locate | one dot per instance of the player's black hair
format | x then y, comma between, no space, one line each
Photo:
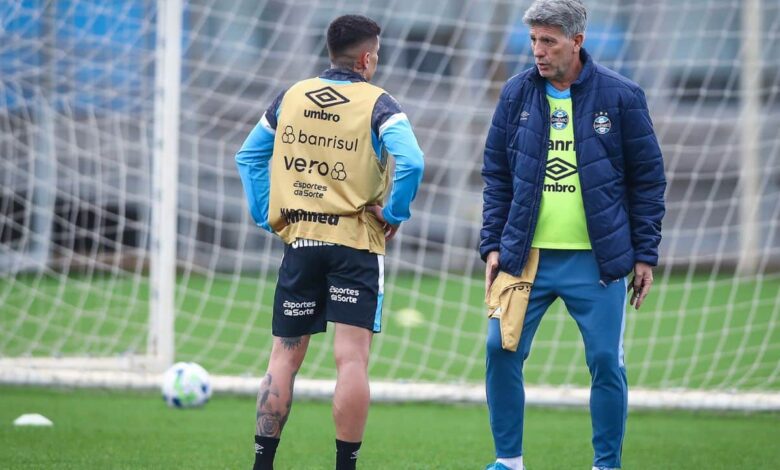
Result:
348,31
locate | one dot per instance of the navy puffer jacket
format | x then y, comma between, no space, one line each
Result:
619,164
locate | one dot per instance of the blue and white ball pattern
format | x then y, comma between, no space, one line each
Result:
186,385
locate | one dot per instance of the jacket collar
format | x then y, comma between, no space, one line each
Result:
588,68
342,75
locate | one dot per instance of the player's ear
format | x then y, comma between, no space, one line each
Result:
361,64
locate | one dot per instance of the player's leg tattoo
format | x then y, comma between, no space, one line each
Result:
291,343
267,420
274,399
271,421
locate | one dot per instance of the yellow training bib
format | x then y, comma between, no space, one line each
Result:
324,169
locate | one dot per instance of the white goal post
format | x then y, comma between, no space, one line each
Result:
129,373
126,243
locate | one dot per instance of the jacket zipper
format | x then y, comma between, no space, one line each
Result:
537,192
582,193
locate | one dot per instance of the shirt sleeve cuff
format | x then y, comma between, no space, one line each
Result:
389,218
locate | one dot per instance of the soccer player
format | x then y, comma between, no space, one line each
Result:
327,140
573,173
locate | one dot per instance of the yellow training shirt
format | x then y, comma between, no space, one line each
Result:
561,224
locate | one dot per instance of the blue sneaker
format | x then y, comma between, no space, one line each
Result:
496,466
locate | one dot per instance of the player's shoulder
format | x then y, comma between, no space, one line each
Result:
388,103
387,112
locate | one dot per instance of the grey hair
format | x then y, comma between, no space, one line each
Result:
570,15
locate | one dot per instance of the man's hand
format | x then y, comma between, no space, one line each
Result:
389,229
491,270
643,280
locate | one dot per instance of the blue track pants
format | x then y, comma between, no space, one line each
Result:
599,312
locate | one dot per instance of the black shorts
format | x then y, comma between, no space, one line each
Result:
319,283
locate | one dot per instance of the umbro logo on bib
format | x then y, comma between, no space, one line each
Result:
326,97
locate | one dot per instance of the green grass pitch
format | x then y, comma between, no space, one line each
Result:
710,332
126,430
694,332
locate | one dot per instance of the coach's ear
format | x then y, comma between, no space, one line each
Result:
578,38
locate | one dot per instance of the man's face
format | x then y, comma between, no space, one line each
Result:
373,60
554,53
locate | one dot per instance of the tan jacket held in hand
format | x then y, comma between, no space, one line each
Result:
508,301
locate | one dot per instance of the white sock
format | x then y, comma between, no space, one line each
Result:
515,463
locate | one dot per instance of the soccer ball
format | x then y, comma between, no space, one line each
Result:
186,385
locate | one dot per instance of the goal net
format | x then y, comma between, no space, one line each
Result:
126,242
